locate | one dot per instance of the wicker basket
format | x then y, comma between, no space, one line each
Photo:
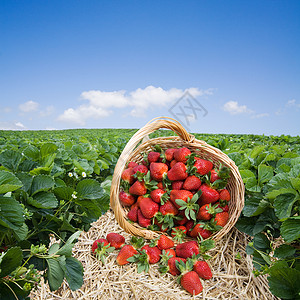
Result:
132,152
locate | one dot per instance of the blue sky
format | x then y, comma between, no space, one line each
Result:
118,64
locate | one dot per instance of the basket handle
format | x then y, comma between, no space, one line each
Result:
153,125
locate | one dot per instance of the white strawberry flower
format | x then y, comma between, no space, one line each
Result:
83,174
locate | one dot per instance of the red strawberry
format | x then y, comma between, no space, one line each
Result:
115,239
126,199
143,222
222,218
168,208
140,168
172,163
179,233
187,249
214,176
225,195
209,195
203,166
170,252
153,156
126,252
160,225
148,208
182,154
192,183
190,281
205,212
183,219
169,154
180,194
200,231
156,195
189,226
172,265
127,175
138,188
178,172
177,185
160,185
157,170
164,242
222,206
203,270
132,164
99,241
153,253
132,214
101,248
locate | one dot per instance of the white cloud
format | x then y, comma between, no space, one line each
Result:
290,104
28,106
258,116
140,100
11,126
234,108
47,112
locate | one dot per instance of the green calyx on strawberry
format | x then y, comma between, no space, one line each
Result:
179,233
136,242
218,179
190,207
101,248
163,266
166,221
201,267
207,211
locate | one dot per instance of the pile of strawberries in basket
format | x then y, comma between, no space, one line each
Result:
177,192
186,260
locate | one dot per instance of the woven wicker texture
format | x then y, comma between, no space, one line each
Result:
134,150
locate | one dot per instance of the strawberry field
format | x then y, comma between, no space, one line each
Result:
56,183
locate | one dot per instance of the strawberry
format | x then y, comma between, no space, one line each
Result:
190,281
133,213
203,166
203,270
141,169
170,252
157,194
172,265
206,212
160,185
192,183
187,249
224,195
189,226
153,253
132,164
182,154
198,230
164,242
177,185
221,219
101,248
115,239
209,195
180,194
143,222
182,218
127,175
214,176
126,252
153,156
138,188
169,154
126,199
222,206
157,170
178,172
172,163
148,208
179,233
168,208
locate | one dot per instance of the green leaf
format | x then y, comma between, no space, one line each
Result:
262,243
89,189
296,183
32,152
44,200
10,159
53,248
41,183
274,193
265,173
47,149
74,273
283,205
8,182
284,251
21,232
66,249
284,282
63,193
246,225
10,261
11,213
255,205
290,229
55,272
26,180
